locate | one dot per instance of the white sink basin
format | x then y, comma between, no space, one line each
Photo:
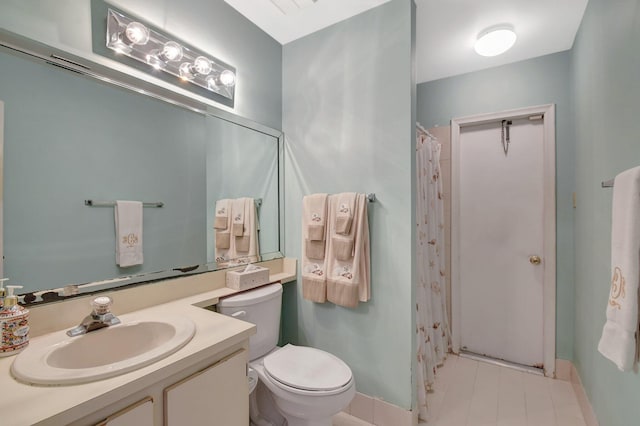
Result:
57,359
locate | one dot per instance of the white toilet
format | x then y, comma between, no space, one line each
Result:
308,385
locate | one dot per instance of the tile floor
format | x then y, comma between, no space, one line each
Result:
473,393
344,419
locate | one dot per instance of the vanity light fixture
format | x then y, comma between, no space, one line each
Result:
495,40
132,38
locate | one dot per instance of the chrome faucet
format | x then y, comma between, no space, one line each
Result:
100,317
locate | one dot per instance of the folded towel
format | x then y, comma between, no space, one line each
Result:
247,245
348,256
239,244
344,214
315,249
314,285
221,220
317,211
237,213
618,342
128,225
223,240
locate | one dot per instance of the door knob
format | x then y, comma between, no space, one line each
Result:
535,260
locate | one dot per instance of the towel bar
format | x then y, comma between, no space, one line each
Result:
607,183
371,197
92,203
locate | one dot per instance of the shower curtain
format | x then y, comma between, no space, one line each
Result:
432,325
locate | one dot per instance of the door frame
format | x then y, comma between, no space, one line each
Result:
549,223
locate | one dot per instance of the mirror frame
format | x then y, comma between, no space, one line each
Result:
21,46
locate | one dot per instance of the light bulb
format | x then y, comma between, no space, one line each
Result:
172,51
202,65
137,33
228,78
185,71
495,40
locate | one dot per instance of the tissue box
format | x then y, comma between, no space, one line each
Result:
241,280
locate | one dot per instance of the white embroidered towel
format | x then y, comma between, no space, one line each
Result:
314,279
348,256
317,206
128,218
247,243
237,214
618,341
345,211
222,214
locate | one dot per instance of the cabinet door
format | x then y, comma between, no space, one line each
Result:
218,395
138,414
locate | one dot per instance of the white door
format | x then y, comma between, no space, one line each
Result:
500,239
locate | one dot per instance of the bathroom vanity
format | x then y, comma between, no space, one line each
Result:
204,382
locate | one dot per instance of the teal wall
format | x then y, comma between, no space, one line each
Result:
68,139
542,80
606,88
347,96
212,26
168,161
242,163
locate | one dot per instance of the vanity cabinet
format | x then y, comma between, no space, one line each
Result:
138,414
214,396
211,392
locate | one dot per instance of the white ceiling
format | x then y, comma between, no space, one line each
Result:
446,29
306,20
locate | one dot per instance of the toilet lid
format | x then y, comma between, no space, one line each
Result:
307,368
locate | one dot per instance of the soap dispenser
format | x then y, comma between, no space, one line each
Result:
14,324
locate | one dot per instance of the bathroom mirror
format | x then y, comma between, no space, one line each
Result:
71,137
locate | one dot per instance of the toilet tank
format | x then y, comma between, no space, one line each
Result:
262,308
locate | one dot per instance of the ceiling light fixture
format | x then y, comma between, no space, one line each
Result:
139,41
495,40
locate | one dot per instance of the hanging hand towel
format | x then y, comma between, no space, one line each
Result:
317,216
128,219
237,213
618,341
314,283
243,248
348,256
243,241
344,214
221,220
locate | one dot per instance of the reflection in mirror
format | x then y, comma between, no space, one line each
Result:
69,138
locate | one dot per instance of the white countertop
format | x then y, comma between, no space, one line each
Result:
22,404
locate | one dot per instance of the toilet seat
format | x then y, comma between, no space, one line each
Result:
306,370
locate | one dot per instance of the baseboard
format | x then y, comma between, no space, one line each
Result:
379,412
563,369
587,410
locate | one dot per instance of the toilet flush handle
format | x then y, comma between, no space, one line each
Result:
239,314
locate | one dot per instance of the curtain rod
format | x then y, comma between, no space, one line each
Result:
425,131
